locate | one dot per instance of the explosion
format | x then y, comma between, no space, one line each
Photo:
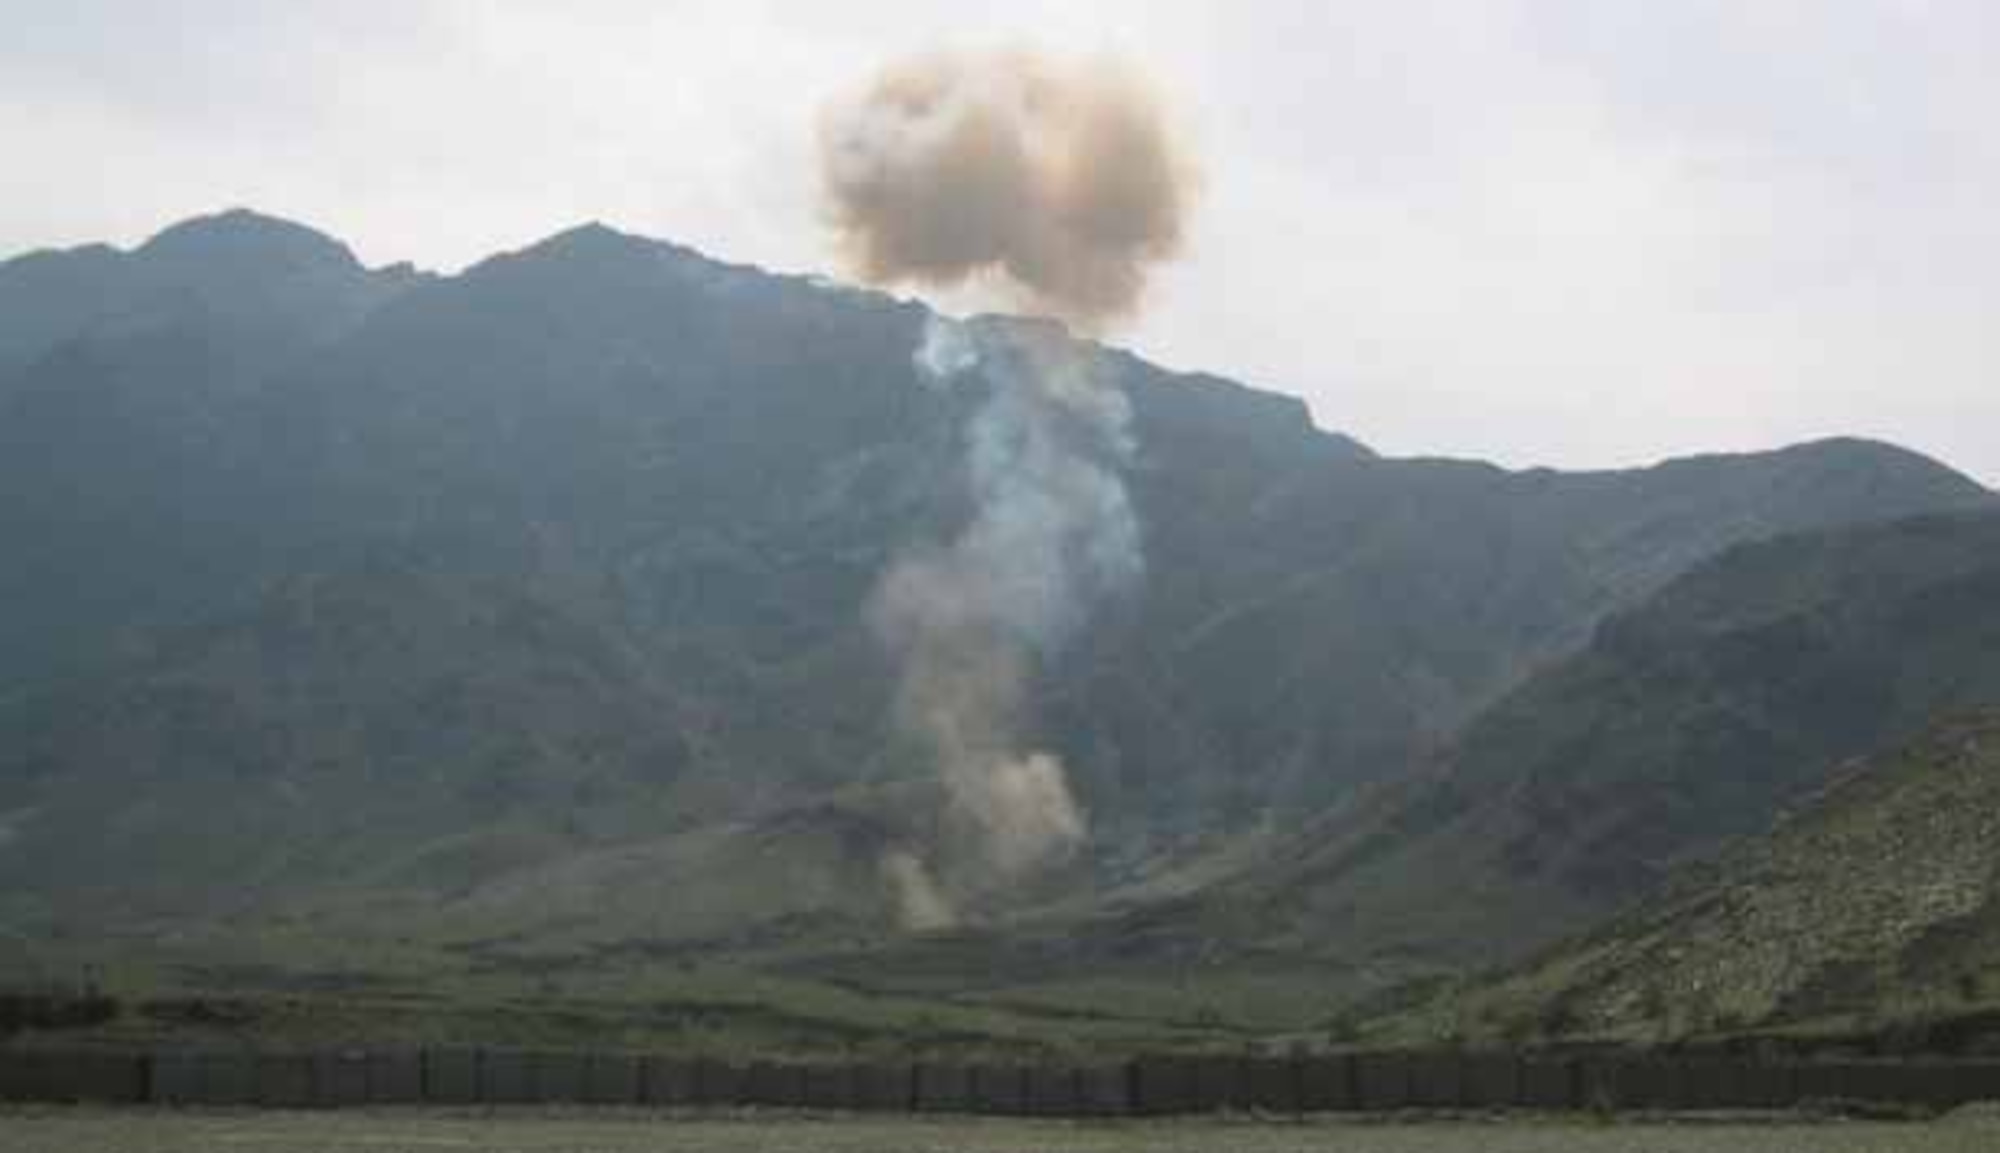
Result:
1058,185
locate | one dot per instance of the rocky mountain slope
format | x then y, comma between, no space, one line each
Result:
528,602
1876,903
1690,722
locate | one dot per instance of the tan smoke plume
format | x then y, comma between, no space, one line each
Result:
1056,181
1058,184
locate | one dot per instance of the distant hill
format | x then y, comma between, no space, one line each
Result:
522,608
1690,721
1874,908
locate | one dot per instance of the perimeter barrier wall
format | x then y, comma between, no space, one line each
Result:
1371,1082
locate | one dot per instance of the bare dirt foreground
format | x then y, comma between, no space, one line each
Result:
415,1131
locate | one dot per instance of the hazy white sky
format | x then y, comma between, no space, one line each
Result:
1579,233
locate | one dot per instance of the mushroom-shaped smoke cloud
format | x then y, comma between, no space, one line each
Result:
1056,180
1058,184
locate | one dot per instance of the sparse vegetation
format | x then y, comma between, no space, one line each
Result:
1857,923
53,1011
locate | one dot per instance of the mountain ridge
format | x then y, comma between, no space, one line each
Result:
1868,908
440,606
1689,722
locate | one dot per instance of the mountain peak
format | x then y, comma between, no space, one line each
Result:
597,241
242,240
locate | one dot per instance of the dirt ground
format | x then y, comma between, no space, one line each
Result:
429,1131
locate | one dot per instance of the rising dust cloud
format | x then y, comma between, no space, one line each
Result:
1057,181
1059,185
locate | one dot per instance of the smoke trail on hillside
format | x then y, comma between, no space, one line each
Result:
1058,184
970,618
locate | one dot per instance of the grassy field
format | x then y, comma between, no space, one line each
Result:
304,987
107,1131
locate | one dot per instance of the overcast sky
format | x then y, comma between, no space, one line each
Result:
1581,234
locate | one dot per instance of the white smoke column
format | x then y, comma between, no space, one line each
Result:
969,619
